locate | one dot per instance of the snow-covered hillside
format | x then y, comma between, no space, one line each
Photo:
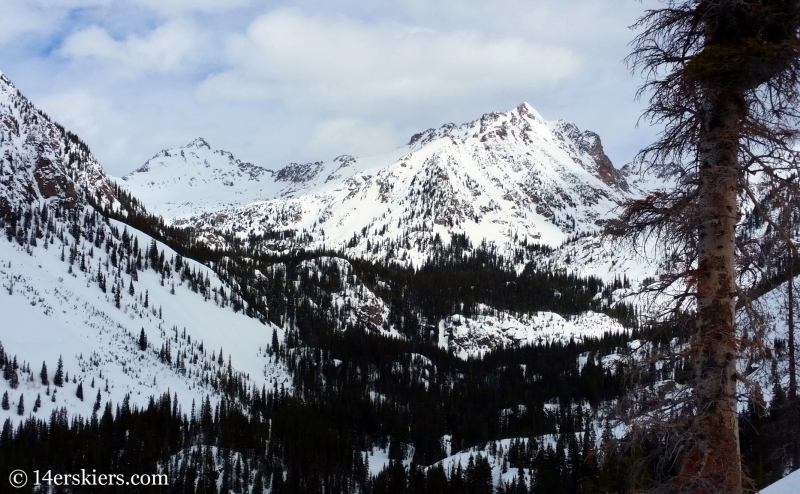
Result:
53,308
74,288
505,177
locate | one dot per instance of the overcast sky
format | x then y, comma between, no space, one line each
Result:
275,82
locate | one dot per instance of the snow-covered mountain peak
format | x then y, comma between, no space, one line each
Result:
522,126
503,177
488,126
197,152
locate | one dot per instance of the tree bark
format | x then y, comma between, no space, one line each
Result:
793,408
713,465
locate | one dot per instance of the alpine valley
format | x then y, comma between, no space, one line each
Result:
444,317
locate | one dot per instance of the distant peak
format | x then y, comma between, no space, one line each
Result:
198,143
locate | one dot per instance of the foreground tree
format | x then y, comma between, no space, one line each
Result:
722,80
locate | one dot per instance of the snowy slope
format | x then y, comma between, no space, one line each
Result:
504,177
195,177
50,312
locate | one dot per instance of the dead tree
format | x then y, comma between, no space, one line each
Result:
722,79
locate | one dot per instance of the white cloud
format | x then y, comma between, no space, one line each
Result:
343,63
94,119
348,136
19,20
79,111
165,49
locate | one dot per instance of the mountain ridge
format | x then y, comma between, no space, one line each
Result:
42,160
501,177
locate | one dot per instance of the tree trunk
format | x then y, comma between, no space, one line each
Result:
793,408
713,465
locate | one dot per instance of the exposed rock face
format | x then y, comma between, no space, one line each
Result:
51,183
41,160
297,173
605,169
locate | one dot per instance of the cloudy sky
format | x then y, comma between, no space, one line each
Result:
278,81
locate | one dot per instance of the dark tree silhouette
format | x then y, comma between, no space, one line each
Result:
722,79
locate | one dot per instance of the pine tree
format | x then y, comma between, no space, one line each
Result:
43,375
13,377
38,404
58,379
142,340
21,405
274,347
79,391
722,77
5,403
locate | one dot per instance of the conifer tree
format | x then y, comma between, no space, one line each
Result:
58,379
142,340
13,377
43,375
21,405
5,403
274,347
79,391
723,77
